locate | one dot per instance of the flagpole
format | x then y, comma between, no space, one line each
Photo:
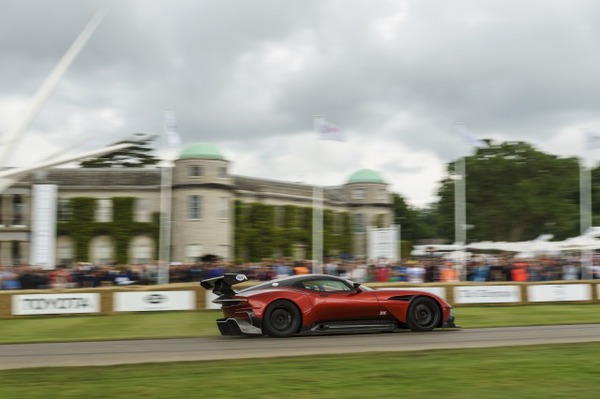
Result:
317,210
460,196
326,131
460,211
164,249
172,143
317,230
585,212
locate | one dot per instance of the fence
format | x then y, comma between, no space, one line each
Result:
190,296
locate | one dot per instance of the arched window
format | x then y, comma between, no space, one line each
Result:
141,250
102,250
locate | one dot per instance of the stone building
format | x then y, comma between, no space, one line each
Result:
203,193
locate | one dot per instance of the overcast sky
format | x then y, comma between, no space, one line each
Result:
248,75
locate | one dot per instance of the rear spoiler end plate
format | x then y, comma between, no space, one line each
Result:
223,285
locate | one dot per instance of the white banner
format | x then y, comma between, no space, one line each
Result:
143,301
383,243
559,292
43,226
55,304
487,294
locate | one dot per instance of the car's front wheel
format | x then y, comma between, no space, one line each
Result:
282,319
423,314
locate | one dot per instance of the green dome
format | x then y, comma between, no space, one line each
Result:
201,150
366,176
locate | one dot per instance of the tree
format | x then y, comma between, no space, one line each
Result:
514,192
136,156
412,221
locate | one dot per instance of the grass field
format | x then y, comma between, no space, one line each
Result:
558,371
561,371
201,323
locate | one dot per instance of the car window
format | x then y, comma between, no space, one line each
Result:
311,285
325,285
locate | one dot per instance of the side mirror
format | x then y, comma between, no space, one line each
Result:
357,287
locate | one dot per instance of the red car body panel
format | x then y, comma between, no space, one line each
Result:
399,308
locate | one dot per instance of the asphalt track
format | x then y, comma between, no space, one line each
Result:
14,356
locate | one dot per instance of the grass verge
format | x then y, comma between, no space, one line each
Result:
202,323
561,371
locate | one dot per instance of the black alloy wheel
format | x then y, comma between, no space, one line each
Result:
282,319
423,314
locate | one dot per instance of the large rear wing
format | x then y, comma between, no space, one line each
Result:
222,285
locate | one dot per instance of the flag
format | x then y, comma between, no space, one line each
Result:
593,140
469,138
171,130
327,130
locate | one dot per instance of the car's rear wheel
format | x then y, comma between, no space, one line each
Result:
282,319
423,314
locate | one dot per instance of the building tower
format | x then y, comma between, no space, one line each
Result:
203,198
370,203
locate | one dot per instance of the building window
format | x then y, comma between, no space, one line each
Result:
104,208
64,250
18,218
359,223
65,212
194,207
224,208
102,250
142,254
193,252
380,221
142,210
222,172
15,252
358,193
196,171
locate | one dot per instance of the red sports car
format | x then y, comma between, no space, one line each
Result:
319,304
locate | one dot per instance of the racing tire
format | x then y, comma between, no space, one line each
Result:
423,314
282,319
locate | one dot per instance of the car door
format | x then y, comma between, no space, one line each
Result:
338,300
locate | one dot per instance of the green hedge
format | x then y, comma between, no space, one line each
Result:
264,231
82,227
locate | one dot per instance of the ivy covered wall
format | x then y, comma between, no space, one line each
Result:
264,231
82,227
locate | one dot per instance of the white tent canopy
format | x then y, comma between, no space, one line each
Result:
540,245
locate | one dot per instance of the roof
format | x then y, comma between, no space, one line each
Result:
366,176
104,177
201,150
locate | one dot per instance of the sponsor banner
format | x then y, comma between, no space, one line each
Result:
143,301
439,291
559,292
210,297
55,304
487,294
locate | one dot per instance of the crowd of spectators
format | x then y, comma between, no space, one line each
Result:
422,270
